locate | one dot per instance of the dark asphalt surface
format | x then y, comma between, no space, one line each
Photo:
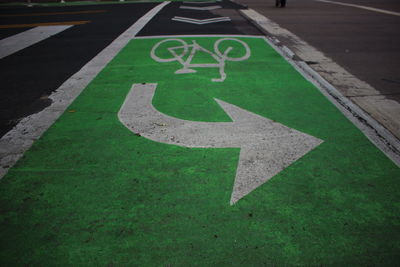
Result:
32,74
365,43
391,5
163,25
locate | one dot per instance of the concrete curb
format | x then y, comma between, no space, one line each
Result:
373,130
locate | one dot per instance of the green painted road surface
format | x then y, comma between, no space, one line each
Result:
91,192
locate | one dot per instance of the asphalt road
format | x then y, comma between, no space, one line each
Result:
240,163
365,43
29,76
163,24
32,74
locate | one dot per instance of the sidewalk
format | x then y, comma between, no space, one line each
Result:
361,64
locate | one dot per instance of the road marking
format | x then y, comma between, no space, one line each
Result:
54,13
27,38
267,147
219,57
200,8
362,7
200,2
12,26
14,143
339,77
89,166
201,21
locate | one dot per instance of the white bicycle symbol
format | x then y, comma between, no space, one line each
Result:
194,47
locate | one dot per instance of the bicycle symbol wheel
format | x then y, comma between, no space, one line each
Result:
225,56
170,50
225,49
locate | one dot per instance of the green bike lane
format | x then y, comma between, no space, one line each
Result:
92,192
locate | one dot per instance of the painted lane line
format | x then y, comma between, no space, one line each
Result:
266,147
53,13
14,143
27,38
201,21
198,23
362,7
381,137
200,8
13,26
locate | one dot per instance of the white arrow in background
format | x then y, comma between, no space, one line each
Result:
200,8
266,147
201,21
201,2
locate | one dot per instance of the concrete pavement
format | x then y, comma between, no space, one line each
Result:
354,49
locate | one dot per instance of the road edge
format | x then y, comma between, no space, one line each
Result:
19,139
372,129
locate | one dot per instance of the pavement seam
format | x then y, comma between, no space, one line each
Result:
18,140
372,129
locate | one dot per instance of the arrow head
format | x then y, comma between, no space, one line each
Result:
270,148
238,114
266,147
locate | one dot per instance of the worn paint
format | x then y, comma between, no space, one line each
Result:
27,38
53,13
92,192
30,25
266,147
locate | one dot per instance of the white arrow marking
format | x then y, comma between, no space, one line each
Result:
266,147
200,3
201,21
200,8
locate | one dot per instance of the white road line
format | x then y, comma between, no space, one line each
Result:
22,40
201,21
200,8
362,7
200,2
338,76
14,144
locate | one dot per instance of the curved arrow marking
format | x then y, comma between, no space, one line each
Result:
266,147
